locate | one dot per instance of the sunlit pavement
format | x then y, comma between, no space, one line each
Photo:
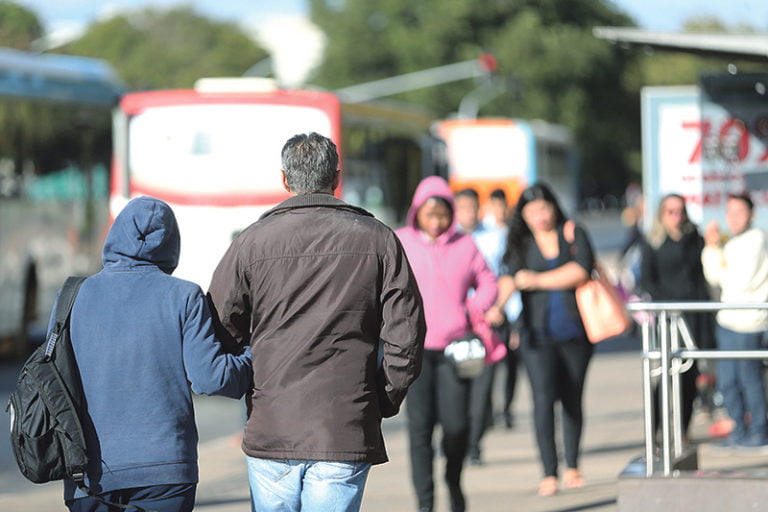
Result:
507,481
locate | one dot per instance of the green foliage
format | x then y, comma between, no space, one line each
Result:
18,26
572,78
404,36
565,75
172,48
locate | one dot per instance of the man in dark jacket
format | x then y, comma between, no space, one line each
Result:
319,289
141,339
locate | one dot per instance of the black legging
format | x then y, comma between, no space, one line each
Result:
699,325
480,410
511,362
437,396
557,371
688,393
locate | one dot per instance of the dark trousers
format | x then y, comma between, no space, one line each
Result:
701,330
557,372
688,394
162,498
437,396
480,411
511,362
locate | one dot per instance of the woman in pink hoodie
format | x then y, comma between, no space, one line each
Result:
447,265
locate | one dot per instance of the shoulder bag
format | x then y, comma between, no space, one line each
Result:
602,310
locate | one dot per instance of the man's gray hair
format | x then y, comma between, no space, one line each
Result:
310,162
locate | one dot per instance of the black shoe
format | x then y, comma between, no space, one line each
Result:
475,460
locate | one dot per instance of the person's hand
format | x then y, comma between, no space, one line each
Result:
495,316
712,234
526,279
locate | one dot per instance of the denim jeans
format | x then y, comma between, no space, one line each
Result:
741,383
306,485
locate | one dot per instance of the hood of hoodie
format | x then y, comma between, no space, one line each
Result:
433,186
145,233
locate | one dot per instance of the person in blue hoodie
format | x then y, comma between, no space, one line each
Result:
142,338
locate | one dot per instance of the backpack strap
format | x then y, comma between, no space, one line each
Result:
63,309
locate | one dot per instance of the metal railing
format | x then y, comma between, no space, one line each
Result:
667,340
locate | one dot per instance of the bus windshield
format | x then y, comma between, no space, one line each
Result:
215,149
475,149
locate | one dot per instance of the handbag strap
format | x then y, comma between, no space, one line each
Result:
569,231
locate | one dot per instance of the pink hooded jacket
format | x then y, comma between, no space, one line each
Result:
446,269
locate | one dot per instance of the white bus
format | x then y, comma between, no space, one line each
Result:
213,154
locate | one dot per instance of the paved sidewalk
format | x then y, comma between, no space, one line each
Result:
508,480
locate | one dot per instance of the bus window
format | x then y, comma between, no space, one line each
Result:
214,149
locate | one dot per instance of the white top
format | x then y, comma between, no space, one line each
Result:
740,270
491,241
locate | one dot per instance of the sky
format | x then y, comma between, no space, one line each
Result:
661,15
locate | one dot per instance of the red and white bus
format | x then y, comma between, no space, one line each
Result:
213,154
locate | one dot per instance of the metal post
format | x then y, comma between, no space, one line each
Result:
647,399
676,365
666,449
659,343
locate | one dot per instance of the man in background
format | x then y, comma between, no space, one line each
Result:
491,241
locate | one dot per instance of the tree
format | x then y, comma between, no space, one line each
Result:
570,77
18,26
154,48
566,75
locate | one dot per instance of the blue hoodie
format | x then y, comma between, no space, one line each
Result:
142,339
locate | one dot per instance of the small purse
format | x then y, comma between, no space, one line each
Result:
602,311
467,355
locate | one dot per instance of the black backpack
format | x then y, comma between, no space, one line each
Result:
47,406
46,432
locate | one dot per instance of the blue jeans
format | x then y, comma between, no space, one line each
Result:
741,383
306,485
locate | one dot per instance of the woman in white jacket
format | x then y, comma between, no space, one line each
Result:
740,270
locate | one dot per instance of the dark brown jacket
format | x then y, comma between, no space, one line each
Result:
318,288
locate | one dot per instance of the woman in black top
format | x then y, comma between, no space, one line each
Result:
546,269
672,271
